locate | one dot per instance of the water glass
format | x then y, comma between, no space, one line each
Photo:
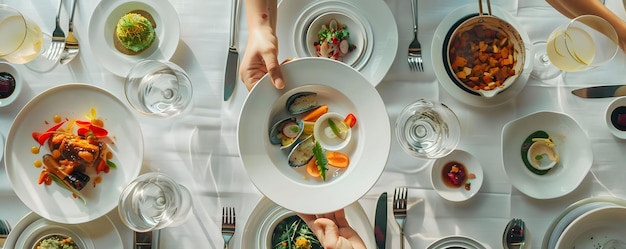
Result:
153,201
428,129
158,88
585,42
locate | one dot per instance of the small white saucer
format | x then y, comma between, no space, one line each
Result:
616,103
8,68
460,193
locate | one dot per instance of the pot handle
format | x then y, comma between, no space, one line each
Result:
480,7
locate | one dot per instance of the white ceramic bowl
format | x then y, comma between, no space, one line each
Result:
355,28
449,191
617,105
572,144
501,26
594,227
8,68
326,137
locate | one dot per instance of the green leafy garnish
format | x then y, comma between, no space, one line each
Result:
538,157
322,161
60,181
336,129
111,164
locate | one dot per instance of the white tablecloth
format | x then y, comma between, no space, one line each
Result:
200,148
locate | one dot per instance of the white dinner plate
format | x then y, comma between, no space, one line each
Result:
72,101
378,22
345,91
437,53
457,194
266,215
99,233
571,212
456,241
594,228
572,145
102,28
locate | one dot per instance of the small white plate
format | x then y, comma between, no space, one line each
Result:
368,149
608,114
258,230
456,241
103,23
437,53
378,22
449,192
99,233
572,144
72,101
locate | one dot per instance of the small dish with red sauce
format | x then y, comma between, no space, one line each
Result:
615,116
457,177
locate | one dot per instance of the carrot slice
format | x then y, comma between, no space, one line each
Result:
311,168
315,113
337,159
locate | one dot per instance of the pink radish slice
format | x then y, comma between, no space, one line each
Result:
344,46
291,129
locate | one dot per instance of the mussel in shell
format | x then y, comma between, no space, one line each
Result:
301,102
286,132
302,152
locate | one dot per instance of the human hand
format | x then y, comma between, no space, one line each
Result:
260,58
333,230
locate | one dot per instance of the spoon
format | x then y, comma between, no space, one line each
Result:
71,44
514,236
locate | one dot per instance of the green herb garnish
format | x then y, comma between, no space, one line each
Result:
322,161
336,129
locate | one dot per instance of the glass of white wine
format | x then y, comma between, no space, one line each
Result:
583,43
22,41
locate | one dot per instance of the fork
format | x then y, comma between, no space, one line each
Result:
71,43
399,210
415,48
228,224
58,38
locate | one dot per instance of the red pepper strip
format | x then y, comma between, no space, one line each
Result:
82,123
350,120
43,137
82,131
102,166
98,131
44,178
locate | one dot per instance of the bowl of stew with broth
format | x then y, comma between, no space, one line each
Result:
484,54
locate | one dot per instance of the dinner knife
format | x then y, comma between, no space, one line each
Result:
380,221
601,91
232,61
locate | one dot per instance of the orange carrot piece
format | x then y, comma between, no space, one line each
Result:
311,168
315,113
337,159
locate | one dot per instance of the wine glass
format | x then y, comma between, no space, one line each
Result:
22,41
428,129
583,43
153,201
158,88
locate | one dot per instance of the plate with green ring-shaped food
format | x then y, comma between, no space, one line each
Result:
572,145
